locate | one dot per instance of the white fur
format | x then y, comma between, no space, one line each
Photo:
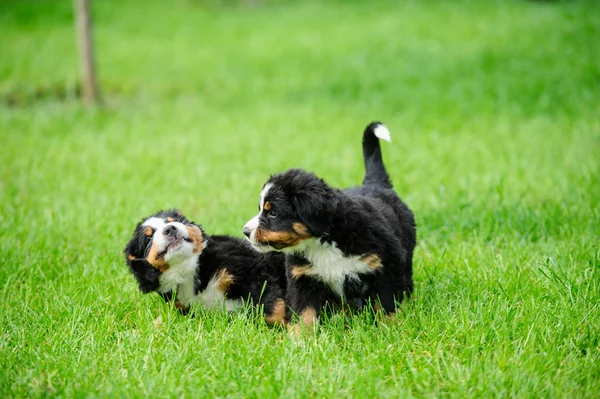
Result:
383,133
212,297
182,249
253,223
155,223
181,279
263,194
181,259
330,265
180,275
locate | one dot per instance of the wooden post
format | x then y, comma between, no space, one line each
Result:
86,52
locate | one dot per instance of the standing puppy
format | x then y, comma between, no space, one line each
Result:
173,256
341,245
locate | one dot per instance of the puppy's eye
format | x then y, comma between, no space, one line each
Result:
272,214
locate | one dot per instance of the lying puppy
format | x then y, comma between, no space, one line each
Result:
351,245
173,256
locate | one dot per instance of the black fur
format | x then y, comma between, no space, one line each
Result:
375,172
258,277
365,221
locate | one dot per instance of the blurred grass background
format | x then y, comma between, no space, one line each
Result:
493,108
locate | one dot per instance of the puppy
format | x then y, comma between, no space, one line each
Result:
353,246
174,257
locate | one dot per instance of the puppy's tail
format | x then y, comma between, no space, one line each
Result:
375,172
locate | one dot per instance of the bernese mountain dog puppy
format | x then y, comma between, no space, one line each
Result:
353,246
173,256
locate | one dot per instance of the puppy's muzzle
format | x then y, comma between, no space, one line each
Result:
250,227
170,231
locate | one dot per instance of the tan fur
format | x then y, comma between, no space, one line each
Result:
155,261
372,260
301,229
196,237
287,238
224,281
180,305
278,314
376,305
306,324
299,271
309,316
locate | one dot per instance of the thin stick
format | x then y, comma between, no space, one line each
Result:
86,52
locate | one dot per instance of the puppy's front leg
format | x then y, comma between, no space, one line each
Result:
304,296
169,296
304,306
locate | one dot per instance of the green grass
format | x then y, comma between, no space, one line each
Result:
493,108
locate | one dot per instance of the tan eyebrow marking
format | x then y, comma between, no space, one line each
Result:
267,206
148,231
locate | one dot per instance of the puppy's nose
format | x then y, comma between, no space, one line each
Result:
247,232
170,230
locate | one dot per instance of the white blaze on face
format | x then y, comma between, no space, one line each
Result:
157,224
161,242
253,223
181,259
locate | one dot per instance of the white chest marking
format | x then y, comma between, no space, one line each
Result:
213,297
180,278
179,275
330,265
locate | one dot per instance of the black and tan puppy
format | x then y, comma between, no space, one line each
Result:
174,257
351,245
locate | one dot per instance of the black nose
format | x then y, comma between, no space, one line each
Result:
247,232
170,230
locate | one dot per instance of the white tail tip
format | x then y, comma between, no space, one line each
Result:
382,132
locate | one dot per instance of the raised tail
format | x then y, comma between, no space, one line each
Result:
375,172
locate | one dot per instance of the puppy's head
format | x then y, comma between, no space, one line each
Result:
159,242
294,205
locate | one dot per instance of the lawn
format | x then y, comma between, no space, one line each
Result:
493,108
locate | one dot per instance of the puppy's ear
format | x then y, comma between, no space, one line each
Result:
315,208
146,275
